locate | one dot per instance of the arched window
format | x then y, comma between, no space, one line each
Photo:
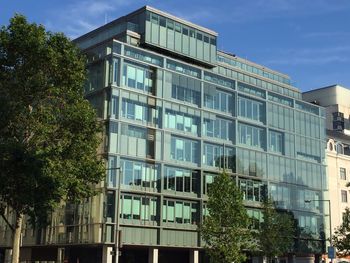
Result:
340,148
330,145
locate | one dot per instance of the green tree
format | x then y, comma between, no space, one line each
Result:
225,228
276,232
341,236
48,131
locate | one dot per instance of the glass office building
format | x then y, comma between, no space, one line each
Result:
177,112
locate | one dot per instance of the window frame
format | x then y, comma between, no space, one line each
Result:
342,172
344,196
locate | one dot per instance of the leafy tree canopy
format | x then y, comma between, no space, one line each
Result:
276,233
48,131
341,236
225,228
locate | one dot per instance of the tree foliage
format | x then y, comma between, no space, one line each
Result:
276,232
48,131
341,236
225,228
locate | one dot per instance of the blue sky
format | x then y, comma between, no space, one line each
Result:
306,39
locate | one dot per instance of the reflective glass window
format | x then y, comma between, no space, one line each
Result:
184,149
251,109
138,77
251,135
276,141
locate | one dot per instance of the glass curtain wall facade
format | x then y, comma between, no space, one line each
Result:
177,112
176,125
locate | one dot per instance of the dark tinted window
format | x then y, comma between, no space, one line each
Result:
162,21
185,31
192,34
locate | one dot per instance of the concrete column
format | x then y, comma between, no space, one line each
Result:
107,254
194,256
8,255
153,255
60,255
257,259
291,259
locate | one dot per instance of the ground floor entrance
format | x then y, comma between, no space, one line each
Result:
127,254
159,255
2,255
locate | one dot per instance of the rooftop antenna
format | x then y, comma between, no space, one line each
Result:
106,18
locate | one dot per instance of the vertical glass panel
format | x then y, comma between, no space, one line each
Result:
251,109
128,172
171,211
115,71
199,46
131,76
208,180
145,208
179,180
187,181
184,149
171,175
178,212
217,99
127,207
136,205
193,45
153,209
114,107
137,173
276,141
155,32
170,35
251,135
110,206
206,49
112,174
138,77
194,214
165,211
178,38
186,213
180,149
185,89
162,32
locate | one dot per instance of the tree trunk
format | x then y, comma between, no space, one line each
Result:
17,238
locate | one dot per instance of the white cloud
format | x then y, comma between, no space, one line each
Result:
80,17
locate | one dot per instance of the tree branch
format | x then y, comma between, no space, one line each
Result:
7,222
